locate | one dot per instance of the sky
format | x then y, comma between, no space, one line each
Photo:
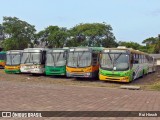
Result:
131,20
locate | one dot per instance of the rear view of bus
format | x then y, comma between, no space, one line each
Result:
56,62
13,61
83,62
2,59
33,60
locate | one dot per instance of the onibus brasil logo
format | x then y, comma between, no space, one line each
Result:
20,114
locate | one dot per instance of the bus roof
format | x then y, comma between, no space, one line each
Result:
87,48
97,48
3,52
129,49
35,49
14,51
57,50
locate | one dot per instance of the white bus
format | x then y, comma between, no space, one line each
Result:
33,60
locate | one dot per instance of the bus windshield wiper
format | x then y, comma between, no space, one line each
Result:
117,57
58,56
110,58
53,58
80,57
27,58
73,57
32,59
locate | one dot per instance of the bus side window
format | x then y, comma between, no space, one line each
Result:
132,58
136,59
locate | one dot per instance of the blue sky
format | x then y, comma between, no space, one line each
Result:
131,20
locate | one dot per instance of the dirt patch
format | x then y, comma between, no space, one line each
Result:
146,83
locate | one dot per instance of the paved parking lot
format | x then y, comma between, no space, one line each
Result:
39,93
22,96
26,96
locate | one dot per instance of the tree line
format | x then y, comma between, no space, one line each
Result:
16,34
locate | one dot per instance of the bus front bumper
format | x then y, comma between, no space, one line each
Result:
55,70
55,73
118,79
32,70
37,71
12,69
86,75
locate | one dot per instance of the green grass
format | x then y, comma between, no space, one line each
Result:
155,86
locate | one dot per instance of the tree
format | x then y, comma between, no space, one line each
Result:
18,33
53,36
1,36
92,34
149,41
133,45
152,44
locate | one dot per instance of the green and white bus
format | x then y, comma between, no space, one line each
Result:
124,64
56,61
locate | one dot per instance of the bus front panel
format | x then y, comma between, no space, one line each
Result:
12,69
50,70
55,62
115,66
80,72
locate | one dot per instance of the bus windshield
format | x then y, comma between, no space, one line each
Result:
13,59
115,61
2,56
79,59
31,57
56,59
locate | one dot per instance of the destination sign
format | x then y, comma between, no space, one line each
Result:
80,49
58,51
115,51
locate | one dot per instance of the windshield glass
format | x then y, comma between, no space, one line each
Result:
32,58
79,59
56,59
2,56
13,59
115,61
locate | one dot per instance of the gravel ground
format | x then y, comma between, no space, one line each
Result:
144,82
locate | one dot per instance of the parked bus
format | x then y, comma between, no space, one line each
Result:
2,59
13,61
33,60
83,62
56,61
124,65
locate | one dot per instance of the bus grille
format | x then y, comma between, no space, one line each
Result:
111,75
